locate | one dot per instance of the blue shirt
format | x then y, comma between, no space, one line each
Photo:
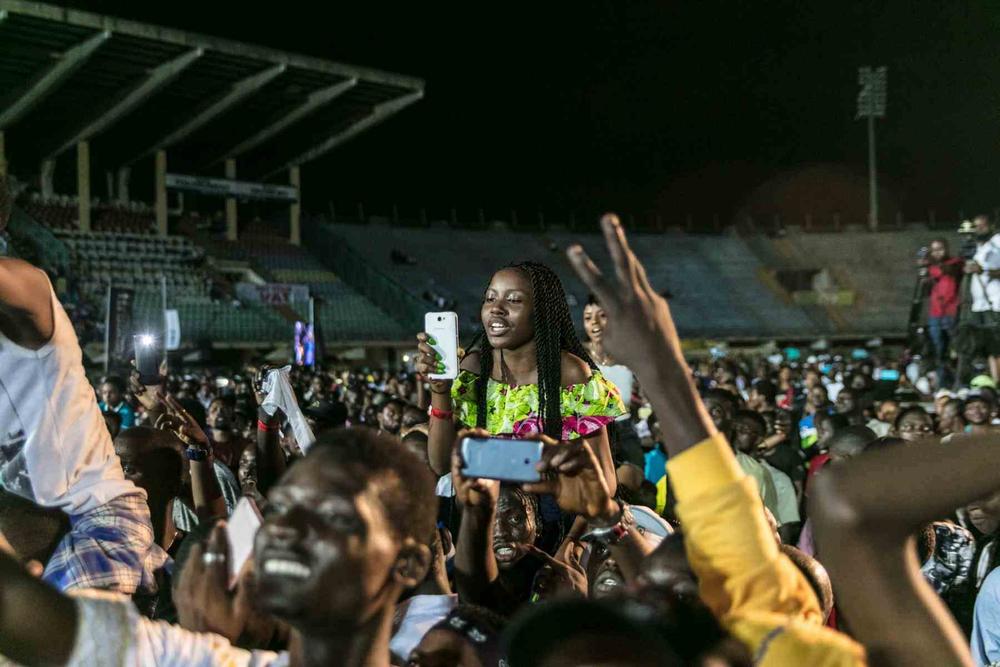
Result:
124,411
656,464
985,643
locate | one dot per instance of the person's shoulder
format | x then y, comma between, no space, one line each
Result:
573,369
991,585
17,273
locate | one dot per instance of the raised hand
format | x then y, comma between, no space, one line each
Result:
640,333
573,475
470,491
639,321
202,596
429,361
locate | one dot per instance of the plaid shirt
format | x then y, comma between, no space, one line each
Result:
110,547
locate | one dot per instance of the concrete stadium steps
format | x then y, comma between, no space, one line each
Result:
714,280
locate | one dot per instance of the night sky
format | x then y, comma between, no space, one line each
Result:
640,106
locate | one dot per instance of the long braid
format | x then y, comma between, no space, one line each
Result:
554,332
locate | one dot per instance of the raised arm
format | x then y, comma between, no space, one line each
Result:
271,462
476,567
749,585
441,431
891,608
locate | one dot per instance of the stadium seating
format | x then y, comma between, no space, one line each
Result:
61,212
718,283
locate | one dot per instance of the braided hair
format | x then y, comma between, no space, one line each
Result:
554,332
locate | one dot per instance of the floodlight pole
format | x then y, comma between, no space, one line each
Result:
872,176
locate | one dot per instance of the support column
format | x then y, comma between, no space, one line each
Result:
295,208
83,184
3,155
109,183
161,193
231,225
48,170
124,176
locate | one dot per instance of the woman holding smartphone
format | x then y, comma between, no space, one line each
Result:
526,373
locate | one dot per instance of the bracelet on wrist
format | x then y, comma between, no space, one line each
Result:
435,413
265,427
197,454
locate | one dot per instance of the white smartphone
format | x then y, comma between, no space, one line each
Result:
241,528
443,329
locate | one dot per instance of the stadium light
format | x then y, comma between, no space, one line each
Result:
871,105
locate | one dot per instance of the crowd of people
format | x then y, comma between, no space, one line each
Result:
781,508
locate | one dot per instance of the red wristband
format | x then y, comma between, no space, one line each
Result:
439,414
261,426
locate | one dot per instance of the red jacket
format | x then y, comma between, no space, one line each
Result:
943,300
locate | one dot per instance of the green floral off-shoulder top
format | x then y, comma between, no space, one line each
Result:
586,407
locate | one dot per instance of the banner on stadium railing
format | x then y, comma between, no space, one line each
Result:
119,331
172,326
272,294
225,187
831,298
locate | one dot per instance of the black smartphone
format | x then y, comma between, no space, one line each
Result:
148,356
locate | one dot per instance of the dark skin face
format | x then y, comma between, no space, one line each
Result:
977,413
608,582
110,395
507,310
515,528
985,514
719,411
595,319
390,418
915,426
817,397
442,647
747,434
325,553
951,418
220,416
847,402
938,251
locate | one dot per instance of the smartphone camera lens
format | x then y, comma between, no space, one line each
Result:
527,461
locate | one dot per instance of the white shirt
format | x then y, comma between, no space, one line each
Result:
111,633
986,292
621,377
417,615
54,447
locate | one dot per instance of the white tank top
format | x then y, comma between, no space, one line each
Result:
54,446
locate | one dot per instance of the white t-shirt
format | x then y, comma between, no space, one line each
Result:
111,633
416,616
622,378
986,292
54,446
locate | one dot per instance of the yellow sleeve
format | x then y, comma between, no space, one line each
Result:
729,543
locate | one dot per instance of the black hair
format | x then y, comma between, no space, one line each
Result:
115,382
592,300
912,410
726,396
406,484
554,332
884,442
756,417
837,421
767,389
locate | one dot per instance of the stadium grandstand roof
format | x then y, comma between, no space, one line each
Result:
131,89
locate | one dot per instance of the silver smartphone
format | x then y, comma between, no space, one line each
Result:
500,458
